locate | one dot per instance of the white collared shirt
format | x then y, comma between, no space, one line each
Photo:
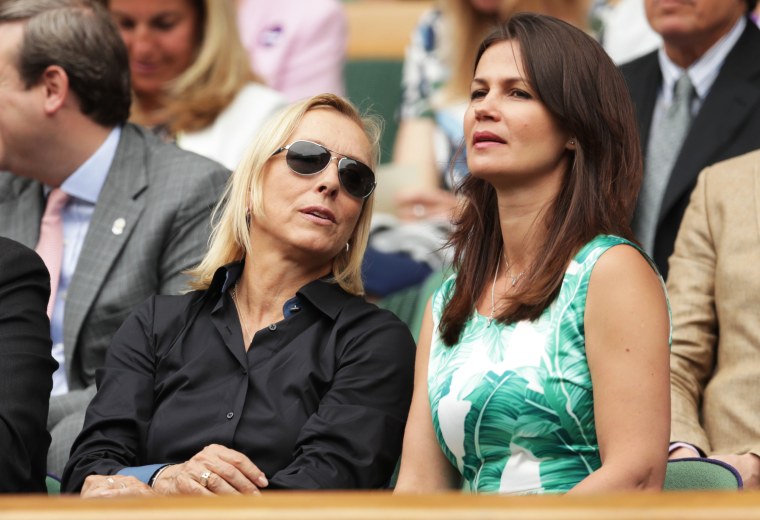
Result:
702,72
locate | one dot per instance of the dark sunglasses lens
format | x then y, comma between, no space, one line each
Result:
357,179
307,158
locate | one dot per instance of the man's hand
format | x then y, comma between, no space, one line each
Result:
748,466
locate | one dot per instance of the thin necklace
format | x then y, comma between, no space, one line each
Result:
516,278
493,291
240,315
513,279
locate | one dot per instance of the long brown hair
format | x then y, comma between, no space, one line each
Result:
587,95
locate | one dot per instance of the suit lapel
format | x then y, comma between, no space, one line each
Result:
723,113
117,211
645,87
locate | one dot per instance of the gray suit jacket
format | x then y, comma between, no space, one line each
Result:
164,196
727,125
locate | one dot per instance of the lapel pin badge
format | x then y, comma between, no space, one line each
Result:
118,226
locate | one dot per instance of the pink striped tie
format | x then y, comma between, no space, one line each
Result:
50,244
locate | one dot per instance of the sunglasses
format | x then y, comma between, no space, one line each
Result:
307,158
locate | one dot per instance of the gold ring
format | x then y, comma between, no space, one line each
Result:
204,478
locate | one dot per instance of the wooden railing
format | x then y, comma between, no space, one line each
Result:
382,505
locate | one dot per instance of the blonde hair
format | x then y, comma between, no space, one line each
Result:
243,196
221,68
468,27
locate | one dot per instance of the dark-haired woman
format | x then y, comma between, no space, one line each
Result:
542,365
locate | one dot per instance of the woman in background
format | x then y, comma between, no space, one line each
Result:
191,76
542,365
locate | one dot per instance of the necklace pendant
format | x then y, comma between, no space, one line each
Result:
488,323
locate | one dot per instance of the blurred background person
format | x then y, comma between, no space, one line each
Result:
26,368
191,76
542,364
298,47
275,373
697,102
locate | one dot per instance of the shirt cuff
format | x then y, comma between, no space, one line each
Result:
675,445
141,473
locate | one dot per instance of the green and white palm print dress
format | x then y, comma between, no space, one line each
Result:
512,405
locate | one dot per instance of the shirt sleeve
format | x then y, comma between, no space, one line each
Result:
675,445
119,414
141,473
353,441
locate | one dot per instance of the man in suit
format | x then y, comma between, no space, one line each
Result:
714,44
26,368
714,288
134,211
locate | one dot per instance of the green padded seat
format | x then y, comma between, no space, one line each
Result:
701,474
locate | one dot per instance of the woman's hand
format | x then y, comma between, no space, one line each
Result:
107,486
215,470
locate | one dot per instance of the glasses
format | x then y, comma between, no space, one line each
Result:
307,158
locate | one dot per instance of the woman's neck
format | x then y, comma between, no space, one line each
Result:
149,111
267,282
522,229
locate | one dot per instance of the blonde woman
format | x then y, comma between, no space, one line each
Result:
191,76
275,373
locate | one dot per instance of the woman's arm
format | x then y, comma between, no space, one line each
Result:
424,467
119,415
627,330
353,440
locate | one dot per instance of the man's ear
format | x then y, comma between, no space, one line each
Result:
56,87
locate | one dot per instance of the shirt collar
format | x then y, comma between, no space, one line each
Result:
704,71
324,294
87,180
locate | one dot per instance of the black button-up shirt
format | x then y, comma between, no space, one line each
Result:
319,401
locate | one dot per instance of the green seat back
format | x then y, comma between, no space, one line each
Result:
699,473
409,304
53,485
375,85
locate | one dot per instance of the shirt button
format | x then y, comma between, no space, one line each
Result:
230,415
273,327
